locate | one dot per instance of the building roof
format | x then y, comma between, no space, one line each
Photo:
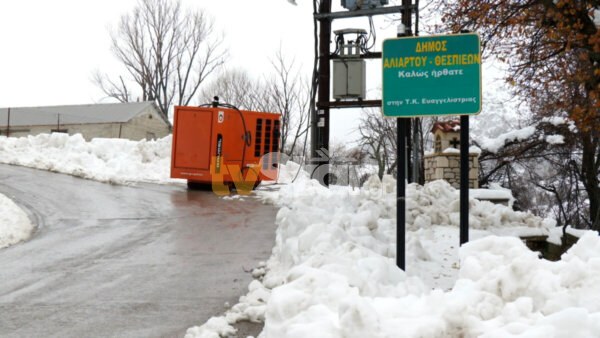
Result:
74,114
446,126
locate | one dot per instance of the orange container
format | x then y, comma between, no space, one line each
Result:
219,146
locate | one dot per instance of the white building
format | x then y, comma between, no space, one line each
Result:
134,121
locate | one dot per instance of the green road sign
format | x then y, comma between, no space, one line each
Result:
433,75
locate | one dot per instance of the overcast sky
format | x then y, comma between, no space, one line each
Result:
50,49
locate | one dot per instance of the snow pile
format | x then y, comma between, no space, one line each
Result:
437,203
333,269
14,223
504,290
333,273
106,160
214,328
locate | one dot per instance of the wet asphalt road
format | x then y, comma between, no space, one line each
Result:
120,261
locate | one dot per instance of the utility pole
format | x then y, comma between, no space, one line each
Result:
8,124
320,121
320,131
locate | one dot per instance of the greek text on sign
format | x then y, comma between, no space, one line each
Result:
431,76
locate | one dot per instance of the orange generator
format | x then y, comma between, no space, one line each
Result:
225,147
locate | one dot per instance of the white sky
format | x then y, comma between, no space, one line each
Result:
50,49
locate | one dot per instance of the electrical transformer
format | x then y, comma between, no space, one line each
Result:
349,71
349,79
353,5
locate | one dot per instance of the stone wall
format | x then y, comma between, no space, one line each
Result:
446,166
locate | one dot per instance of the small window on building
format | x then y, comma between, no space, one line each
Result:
438,144
150,116
150,136
64,131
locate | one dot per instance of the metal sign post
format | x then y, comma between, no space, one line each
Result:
402,132
431,76
464,179
401,193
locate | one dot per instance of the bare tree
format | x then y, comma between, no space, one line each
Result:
378,138
117,91
168,52
237,87
290,95
285,92
552,50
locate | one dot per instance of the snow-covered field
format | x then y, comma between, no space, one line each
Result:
332,271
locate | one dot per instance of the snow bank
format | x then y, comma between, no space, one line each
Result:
14,223
106,160
333,271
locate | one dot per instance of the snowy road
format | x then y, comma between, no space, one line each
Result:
118,261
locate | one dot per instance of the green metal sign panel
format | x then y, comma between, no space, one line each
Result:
431,76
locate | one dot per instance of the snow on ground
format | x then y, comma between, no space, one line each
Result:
106,160
332,271
14,223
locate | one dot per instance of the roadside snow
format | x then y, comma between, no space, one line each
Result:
106,160
14,223
333,271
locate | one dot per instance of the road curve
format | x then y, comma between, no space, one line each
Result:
124,261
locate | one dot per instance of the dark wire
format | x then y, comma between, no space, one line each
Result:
365,46
247,140
339,42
